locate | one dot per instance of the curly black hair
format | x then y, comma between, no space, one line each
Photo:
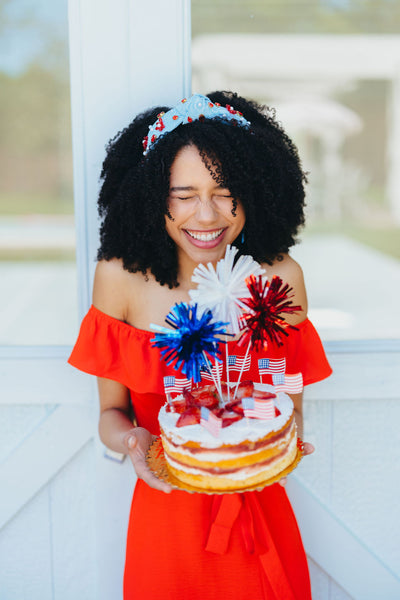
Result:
259,165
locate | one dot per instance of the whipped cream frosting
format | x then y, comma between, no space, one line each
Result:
245,429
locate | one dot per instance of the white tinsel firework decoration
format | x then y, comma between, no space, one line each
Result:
220,290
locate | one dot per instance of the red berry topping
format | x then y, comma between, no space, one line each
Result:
228,418
179,406
191,416
277,412
235,406
245,390
261,395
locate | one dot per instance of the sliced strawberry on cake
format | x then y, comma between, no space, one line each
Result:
235,406
245,390
191,416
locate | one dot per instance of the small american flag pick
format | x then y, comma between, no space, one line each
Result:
210,421
173,385
238,363
216,372
269,366
291,384
259,409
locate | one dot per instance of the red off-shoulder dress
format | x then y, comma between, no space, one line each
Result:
197,546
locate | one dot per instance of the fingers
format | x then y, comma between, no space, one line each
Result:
143,472
308,448
137,450
283,481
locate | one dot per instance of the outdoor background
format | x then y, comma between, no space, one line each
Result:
332,71
342,128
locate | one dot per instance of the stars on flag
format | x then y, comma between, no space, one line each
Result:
290,384
259,409
175,385
268,366
238,363
210,421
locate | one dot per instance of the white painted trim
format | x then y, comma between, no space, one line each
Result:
33,464
44,381
355,377
141,66
338,551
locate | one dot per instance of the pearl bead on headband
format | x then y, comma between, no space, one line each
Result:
186,111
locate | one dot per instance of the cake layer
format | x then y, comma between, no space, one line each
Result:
240,479
233,457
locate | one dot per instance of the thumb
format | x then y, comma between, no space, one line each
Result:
131,441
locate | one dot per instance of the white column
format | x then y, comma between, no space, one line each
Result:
125,56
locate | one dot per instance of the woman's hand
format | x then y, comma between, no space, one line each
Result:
137,442
307,449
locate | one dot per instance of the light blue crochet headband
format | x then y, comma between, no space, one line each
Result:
186,111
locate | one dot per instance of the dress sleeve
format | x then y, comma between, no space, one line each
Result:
107,347
305,353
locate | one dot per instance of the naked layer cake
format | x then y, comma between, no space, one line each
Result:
232,451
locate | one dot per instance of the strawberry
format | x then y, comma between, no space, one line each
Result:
229,417
191,416
197,391
235,406
179,405
261,395
206,399
218,412
277,412
188,397
245,390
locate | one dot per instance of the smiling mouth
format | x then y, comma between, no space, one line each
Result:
205,237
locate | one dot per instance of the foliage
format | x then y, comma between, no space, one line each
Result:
292,16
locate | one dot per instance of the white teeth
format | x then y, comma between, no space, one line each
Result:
205,237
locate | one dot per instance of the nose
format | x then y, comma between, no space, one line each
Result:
206,211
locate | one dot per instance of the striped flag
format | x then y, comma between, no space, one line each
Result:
237,363
173,385
268,366
291,384
258,408
216,371
210,421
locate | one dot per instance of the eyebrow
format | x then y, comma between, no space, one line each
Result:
190,188
182,189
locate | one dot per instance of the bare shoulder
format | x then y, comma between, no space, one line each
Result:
110,288
290,272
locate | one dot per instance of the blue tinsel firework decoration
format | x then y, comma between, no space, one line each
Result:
190,337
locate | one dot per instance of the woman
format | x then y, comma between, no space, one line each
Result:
180,185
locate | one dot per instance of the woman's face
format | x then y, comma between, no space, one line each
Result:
201,223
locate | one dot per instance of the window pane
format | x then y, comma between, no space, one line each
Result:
330,70
37,246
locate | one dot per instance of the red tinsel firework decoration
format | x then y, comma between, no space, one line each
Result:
268,303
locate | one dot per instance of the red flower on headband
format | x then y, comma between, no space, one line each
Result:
230,109
145,142
160,124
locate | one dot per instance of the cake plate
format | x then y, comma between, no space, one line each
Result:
158,466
